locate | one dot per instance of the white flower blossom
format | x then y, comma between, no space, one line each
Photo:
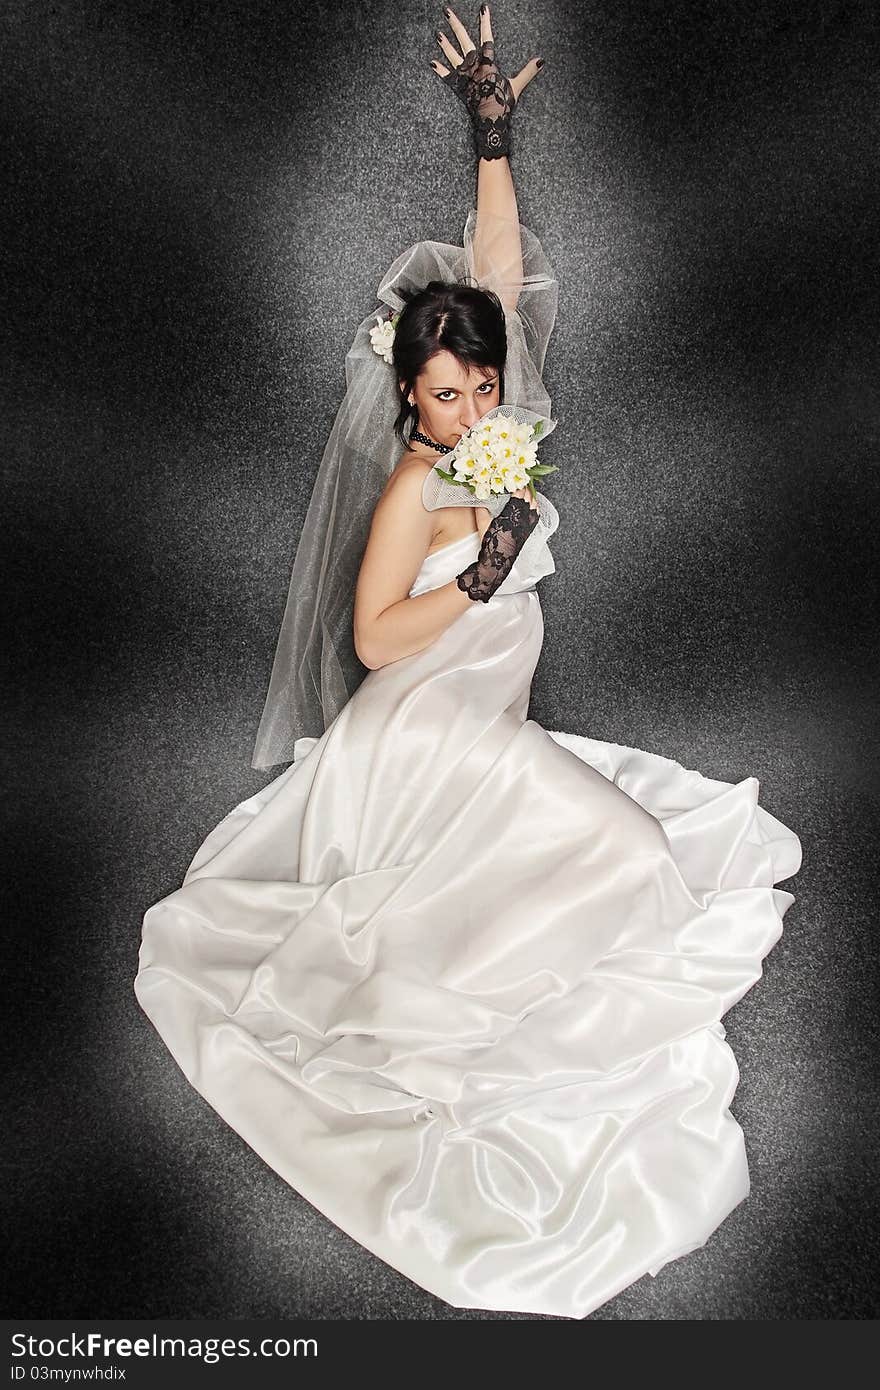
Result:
382,338
494,456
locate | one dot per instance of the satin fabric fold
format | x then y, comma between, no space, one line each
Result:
459,979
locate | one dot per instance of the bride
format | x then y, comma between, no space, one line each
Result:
459,979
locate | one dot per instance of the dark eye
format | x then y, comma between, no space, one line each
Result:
485,389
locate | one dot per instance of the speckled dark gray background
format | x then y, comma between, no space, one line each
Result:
200,201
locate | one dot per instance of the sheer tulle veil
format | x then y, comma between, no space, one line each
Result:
316,669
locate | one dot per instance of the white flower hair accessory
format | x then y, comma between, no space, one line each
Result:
382,336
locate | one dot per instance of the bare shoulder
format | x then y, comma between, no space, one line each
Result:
400,509
411,470
403,489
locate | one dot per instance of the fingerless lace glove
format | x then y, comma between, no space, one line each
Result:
504,538
488,96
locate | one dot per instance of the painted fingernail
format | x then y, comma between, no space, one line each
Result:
438,36
539,63
447,11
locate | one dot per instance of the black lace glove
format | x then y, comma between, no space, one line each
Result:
486,92
504,538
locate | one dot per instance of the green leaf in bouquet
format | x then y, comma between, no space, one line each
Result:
540,470
448,477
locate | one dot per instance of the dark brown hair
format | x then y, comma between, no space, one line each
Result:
449,315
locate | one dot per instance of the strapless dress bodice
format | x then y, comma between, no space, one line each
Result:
443,564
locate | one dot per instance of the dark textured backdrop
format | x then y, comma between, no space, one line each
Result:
199,203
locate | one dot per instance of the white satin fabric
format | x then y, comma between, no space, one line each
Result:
459,979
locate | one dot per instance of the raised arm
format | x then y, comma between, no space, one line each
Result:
497,246
490,98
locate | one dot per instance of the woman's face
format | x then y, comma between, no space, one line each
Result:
451,397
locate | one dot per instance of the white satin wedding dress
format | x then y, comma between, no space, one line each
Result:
459,980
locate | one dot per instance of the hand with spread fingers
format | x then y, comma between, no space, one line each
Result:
488,94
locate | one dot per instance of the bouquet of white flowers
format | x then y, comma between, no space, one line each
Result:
498,454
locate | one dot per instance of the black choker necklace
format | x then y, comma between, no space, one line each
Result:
423,439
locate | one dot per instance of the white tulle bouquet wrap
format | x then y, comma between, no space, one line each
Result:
497,454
